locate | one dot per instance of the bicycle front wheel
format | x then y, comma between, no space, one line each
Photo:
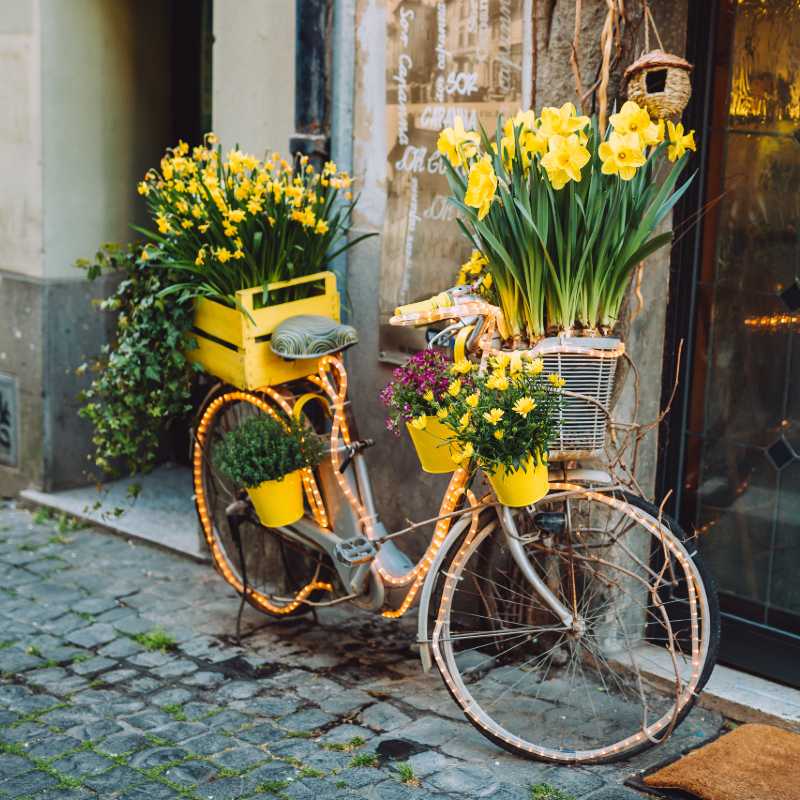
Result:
622,673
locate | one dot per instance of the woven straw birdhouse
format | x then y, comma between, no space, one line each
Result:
660,82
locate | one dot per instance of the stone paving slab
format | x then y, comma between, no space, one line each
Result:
120,680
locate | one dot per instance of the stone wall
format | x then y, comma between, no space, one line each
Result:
399,486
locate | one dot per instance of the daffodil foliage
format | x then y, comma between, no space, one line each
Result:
560,214
503,415
234,222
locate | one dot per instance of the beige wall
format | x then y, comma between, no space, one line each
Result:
20,138
253,79
105,116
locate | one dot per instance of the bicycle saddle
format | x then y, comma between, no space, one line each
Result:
311,336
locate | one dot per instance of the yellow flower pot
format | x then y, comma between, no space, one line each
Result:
432,445
521,487
279,502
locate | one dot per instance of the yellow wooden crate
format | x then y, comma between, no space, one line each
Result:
235,347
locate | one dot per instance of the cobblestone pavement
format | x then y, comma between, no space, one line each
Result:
96,702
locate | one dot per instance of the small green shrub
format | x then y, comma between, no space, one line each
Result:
262,449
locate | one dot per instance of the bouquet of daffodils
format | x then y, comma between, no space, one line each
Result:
237,222
561,213
504,416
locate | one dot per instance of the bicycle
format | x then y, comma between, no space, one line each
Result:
580,630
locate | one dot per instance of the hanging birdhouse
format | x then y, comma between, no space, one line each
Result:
660,82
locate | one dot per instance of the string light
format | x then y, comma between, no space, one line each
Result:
219,557
773,322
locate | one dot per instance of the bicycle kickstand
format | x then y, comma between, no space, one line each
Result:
237,513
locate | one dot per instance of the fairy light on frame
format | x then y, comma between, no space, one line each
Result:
220,559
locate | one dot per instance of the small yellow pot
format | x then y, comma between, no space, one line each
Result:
279,502
433,448
521,487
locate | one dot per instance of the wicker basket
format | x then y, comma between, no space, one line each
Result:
588,366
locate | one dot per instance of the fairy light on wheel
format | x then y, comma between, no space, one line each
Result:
219,558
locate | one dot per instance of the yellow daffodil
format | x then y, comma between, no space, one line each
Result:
321,227
163,224
236,215
145,254
186,224
497,381
556,380
223,254
462,367
534,366
201,257
441,413
565,158
197,211
458,144
621,155
499,434
204,227
419,422
463,454
254,205
501,361
679,142
524,406
454,388
143,188
428,396
481,186
561,121
472,399
463,423
632,118
494,416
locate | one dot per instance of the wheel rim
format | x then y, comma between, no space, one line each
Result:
572,695
281,572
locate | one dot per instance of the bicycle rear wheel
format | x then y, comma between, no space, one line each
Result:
282,571
617,680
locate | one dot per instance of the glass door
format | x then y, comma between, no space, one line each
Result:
739,446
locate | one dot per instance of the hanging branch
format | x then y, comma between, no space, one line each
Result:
573,58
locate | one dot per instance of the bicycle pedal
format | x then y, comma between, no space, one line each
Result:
357,550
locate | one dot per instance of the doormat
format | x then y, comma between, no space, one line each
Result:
753,762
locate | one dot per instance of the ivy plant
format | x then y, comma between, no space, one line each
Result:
141,380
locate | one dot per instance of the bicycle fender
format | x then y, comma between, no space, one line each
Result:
423,640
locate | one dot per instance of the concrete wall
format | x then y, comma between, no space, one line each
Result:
253,77
85,112
105,102
20,139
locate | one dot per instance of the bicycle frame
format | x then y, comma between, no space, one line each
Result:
391,570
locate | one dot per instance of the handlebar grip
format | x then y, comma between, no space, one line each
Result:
441,300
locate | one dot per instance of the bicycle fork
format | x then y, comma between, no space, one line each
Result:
517,550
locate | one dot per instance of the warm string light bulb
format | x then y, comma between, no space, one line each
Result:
219,557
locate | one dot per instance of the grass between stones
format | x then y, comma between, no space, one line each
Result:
156,639
544,791
364,760
405,772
